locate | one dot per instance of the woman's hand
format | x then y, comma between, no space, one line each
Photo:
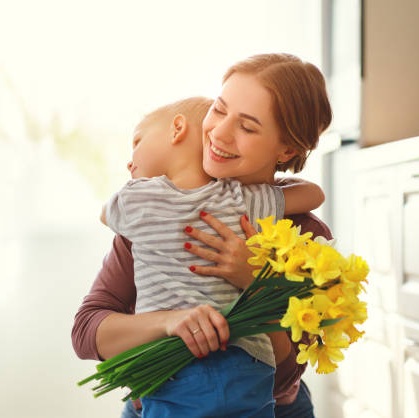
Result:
228,252
202,329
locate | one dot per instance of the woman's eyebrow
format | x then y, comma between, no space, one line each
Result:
250,117
243,115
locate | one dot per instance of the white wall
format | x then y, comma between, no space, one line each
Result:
51,247
98,65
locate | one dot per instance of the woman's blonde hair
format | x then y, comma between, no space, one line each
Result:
300,102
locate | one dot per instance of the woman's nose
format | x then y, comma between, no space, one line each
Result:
129,166
223,131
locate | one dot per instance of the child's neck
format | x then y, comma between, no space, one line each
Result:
188,180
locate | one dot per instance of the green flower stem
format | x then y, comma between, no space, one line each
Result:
145,368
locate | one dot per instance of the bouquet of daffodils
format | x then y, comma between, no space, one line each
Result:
302,285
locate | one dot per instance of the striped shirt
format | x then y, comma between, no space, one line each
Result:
152,213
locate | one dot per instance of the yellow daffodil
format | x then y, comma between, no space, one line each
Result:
280,237
293,267
324,262
322,304
353,333
301,316
334,292
325,355
316,353
350,311
259,257
355,271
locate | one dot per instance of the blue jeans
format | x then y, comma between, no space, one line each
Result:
302,407
225,384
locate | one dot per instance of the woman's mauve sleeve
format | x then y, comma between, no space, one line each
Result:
112,291
288,372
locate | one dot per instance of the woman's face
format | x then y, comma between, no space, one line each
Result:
240,136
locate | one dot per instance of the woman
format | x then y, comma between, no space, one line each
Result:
268,117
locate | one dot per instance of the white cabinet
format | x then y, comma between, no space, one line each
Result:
380,375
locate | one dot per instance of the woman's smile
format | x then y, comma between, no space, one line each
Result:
220,153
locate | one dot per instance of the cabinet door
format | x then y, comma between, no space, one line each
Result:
374,231
409,286
410,390
411,387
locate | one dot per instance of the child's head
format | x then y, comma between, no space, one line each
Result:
268,117
154,153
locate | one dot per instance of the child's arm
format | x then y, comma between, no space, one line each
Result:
301,195
103,215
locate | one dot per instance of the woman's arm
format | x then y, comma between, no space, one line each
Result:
113,291
119,332
105,324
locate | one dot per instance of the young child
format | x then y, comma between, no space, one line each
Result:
168,192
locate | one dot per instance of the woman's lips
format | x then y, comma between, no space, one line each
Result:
220,153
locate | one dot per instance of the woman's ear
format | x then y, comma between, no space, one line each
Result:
179,128
286,154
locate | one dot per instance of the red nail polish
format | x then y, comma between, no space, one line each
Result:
187,245
245,217
192,268
202,214
188,229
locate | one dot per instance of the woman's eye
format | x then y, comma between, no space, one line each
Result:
218,110
247,130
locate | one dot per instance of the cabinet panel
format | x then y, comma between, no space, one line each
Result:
378,228
409,286
374,232
411,391
367,379
375,365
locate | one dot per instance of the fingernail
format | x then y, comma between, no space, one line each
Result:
223,347
192,268
187,245
188,229
245,217
202,214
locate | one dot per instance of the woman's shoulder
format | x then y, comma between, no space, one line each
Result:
311,223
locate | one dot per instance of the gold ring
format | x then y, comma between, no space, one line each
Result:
195,331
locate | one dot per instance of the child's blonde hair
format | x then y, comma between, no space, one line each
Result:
299,101
193,108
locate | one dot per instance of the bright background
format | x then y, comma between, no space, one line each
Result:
75,77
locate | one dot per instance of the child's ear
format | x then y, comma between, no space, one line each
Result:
179,128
